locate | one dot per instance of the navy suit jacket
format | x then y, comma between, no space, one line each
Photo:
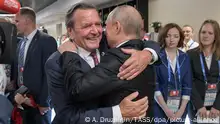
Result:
34,77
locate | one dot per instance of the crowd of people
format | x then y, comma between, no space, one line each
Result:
112,77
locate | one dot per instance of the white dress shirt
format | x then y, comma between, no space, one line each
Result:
189,45
208,60
28,42
3,79
173,67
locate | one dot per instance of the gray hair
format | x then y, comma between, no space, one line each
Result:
129,18
69,15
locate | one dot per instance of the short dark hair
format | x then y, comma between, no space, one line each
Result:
163,34
68,20
29,12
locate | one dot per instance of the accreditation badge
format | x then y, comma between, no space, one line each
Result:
210,95
173,100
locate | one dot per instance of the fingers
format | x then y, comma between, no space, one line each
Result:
128,72
213,114
128,51
132,96
142,101
143,109
203,114
19,98
126,67
67,46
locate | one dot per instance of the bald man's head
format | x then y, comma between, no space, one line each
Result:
129,18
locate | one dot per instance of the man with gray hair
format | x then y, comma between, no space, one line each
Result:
123,30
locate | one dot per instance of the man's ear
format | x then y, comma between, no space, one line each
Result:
70,33
117,27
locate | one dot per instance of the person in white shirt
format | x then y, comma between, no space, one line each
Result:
189,43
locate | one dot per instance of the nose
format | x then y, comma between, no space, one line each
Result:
94,30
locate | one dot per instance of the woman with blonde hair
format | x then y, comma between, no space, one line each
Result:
206,72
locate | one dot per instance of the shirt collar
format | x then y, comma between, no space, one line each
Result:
189,42
31,35
122,43
84,53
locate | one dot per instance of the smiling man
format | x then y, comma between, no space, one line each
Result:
85,29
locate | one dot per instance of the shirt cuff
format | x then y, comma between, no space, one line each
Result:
117,117
157,93
186,97
154,55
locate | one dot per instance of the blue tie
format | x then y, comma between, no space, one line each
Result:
21,52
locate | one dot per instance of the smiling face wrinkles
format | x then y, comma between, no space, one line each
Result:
87,31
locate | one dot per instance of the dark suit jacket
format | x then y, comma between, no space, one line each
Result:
67,110
102,80
6,110
34,77
198,87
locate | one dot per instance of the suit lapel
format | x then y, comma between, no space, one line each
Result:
31,47
214,65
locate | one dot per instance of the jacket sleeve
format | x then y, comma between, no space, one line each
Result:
71,114
157,89
156,47
187,80
79,116
195,97
49,47
102,78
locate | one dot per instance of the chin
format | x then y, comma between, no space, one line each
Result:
94,46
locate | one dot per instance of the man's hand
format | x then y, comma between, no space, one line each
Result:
135,64
133,109
213,113
67,46
19,99
43,110
202,112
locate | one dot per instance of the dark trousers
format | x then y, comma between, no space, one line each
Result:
33,116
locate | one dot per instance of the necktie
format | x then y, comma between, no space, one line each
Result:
21,52
94,57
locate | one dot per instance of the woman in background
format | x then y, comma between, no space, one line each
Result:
173,86
205,69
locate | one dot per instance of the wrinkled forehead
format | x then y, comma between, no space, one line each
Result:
86,16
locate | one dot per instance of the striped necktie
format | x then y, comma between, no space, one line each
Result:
94,57
21,52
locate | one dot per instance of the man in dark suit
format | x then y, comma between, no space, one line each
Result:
32,52
68,111
102,82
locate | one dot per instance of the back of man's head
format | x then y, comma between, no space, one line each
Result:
129,18
28,13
